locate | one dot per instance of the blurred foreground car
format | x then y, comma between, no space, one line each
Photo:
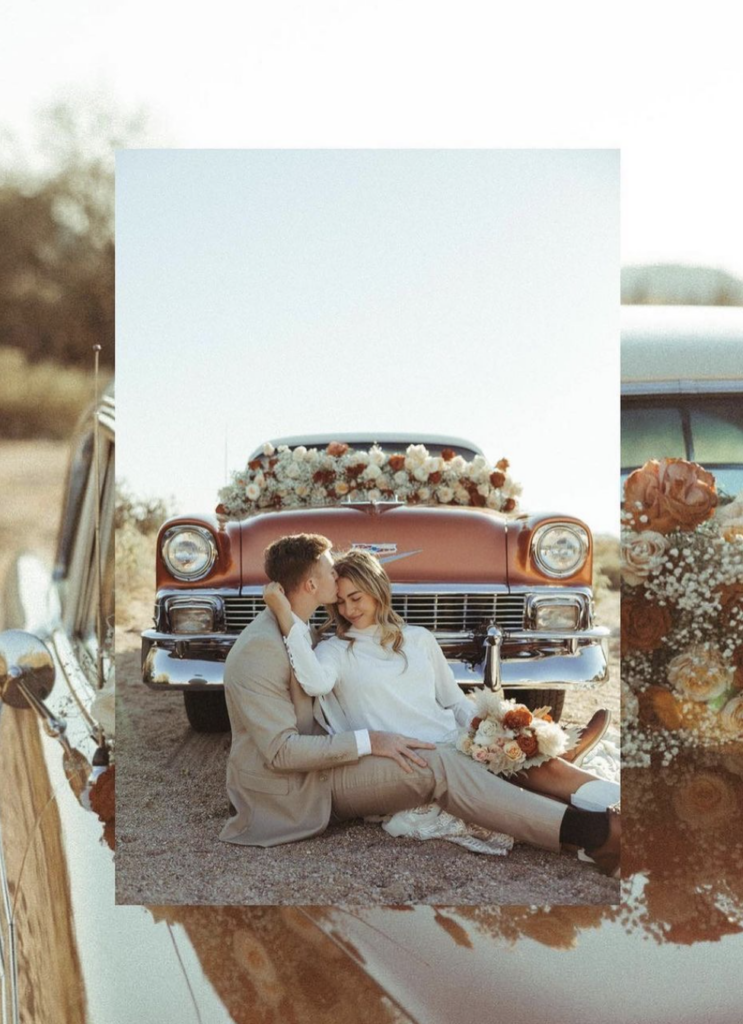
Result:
507,596
682,389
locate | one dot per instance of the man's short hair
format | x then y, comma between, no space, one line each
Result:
289,560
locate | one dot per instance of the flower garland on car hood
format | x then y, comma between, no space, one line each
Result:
310,477
682,610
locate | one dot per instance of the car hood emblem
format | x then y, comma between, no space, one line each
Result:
385,552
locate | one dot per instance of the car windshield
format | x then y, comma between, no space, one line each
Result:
704,430
392,447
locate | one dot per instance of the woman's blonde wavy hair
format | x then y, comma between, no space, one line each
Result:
366,573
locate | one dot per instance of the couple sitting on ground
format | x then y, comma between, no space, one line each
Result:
364,724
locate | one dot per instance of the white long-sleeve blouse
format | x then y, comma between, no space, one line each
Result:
367,686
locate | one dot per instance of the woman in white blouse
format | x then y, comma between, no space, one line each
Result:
379,673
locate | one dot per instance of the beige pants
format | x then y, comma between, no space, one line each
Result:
378,785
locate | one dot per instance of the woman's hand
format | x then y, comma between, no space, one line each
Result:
276,599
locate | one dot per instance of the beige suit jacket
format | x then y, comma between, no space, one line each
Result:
276,777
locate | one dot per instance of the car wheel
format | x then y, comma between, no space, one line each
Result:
539,699
207,712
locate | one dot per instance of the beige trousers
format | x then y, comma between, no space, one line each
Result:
461,786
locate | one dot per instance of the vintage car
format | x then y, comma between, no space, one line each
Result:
508,596
682,389
68,954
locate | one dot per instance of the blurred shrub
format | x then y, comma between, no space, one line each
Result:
145,515
606,574
135,576
40,399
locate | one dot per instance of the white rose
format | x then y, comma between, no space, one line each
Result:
384,482
484,490
293,471
462,496
299,453
642,554
252,492
372,472
415,456
486,733
699,673
433,464
445,494
268,449
457,464
401,478
421,473
259,479
494,500
424,494
377,456
374,494
357,459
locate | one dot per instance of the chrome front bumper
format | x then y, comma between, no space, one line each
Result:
522,658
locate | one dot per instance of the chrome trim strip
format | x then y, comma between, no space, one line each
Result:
9,966
681,387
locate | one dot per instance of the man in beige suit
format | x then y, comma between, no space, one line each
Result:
286,777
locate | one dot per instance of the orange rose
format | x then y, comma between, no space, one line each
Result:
669,494
518,718
528,743
475,723
502,464
497,479
730,596
644,624
509,505
448,454
397,462
255,464
337,448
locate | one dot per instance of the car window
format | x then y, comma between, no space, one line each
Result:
651,431
717,432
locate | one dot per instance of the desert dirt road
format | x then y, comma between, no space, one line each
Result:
171,804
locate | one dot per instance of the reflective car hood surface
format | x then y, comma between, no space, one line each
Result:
437,545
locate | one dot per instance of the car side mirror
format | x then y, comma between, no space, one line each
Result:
26,669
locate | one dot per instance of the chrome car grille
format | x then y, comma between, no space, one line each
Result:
442,613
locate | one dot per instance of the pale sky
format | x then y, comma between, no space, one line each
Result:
660,81
467,293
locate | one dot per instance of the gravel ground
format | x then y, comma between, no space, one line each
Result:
171,804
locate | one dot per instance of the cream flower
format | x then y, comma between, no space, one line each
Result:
445,494
372,472
513,752
421,473
642,554
299,453
268,449
400,478
731,716
374,494
252,492
377,456
699,673
342,488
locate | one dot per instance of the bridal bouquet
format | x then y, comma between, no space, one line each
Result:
507,737
682,607
310,477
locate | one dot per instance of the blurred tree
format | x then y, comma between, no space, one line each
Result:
56,234
146,515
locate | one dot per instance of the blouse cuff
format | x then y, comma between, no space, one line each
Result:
363,741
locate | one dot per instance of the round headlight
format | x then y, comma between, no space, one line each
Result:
189,552
560,549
